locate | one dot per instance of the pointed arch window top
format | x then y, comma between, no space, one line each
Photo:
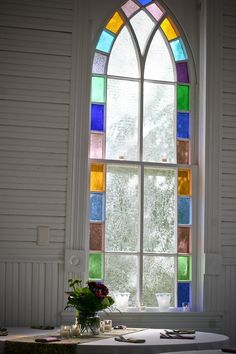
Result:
143,26
123,59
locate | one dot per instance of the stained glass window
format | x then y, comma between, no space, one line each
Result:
140,232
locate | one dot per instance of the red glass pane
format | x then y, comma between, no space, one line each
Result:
96,237
96,146
183,152
184,240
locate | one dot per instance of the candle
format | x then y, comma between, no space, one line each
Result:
65,331
108,325
102,326
75,330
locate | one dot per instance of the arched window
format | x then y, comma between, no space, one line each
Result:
140,161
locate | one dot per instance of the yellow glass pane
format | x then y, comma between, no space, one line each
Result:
115,23
169,29
97,183
184,182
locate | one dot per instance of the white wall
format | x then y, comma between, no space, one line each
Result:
45,50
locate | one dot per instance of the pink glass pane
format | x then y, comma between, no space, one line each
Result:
96,237
156,12
183,152
99,63
184,240
129,8
96,146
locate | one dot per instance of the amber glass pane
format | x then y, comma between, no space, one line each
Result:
97,178
115,23
96,236
169,29
183,152
184,182
184,240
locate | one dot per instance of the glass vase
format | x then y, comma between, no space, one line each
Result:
89,323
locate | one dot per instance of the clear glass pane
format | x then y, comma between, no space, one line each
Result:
99,63
96,146
123,59
159,123
122,119
129,8
115,23
121,273
158,277
155,10
159,210
122,209
143,26
159,65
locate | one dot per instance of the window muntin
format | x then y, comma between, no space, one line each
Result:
140,218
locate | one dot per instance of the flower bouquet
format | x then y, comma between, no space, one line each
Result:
87,301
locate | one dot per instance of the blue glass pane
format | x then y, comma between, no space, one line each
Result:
184,290
184,215
178,50
97,117
96,206
183,125
105,42
144,2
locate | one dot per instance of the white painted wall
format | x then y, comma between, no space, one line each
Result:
45,58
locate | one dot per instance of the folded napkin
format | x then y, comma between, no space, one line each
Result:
3,331
48,339
180,331
229,350
129,340
175,336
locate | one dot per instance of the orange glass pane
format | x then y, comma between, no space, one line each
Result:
183,152
169,29
184,182
184,240
97,183
115,23
96,237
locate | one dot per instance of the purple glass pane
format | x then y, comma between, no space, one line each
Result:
96,146
97,117
184,212
97,207
156,12
184,293
183,125
99,63
182,72
129,8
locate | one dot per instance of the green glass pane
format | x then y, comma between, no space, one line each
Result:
95,266
98,89
184,268
183,97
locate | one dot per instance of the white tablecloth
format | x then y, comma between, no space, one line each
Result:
153,344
